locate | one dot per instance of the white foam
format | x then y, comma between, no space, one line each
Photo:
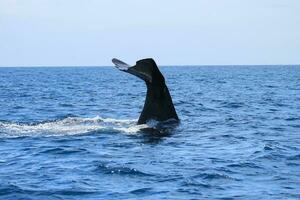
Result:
69,126
132,129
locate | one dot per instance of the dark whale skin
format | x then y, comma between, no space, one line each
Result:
158,103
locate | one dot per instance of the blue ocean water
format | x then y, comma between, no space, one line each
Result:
70,133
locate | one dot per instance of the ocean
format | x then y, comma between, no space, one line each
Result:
71,133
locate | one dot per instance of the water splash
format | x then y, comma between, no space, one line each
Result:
69,126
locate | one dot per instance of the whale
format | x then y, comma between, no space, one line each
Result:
158,104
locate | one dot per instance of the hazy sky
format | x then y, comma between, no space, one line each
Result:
193,32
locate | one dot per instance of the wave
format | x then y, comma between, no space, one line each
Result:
120,170
12,191
69,126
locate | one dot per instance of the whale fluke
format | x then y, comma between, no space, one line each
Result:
158,104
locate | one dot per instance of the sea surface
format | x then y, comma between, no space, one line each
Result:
71,133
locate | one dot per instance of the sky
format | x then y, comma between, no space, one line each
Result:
173,32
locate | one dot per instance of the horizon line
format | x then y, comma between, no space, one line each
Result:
171,65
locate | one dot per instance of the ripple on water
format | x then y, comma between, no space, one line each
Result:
120,170
63,150
233,105
249,165
11,191
213,176
294,157
292,119
194,183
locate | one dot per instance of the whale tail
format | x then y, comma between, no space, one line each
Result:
158,104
